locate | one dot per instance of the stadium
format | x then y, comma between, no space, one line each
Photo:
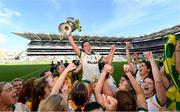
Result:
55,47
44,48
89,55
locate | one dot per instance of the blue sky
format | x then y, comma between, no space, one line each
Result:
97,17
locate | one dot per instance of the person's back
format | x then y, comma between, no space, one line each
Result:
126,101
79,97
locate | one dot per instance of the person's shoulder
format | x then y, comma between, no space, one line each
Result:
21,107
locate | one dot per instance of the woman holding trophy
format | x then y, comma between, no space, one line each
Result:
89,59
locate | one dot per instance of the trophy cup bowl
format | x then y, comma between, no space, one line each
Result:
70,25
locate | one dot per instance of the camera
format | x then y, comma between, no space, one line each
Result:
76,62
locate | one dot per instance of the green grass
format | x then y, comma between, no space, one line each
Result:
118,70
9,72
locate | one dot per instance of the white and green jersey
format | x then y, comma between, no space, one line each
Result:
90,67
154,104
19,107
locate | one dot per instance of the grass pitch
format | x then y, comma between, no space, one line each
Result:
9,72
26,71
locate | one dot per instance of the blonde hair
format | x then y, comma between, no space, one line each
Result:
53,103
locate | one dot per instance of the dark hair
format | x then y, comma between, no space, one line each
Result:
126,101
101,65
149,76
125,76
38,92
93,105
84,41
148,64
79,93
26,91
130,88
43,73
57,66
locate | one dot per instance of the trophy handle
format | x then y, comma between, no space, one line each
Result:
78,26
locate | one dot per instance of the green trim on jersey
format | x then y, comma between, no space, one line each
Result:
86,81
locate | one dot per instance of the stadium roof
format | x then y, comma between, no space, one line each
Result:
49,37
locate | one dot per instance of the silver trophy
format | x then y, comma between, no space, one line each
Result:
70,25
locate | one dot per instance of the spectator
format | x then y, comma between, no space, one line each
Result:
46,72
59,70
55,92
41,90
8,99
25,95
125,99
79,94
17,84
171,69
52,69
79,97
124,84
137,67
101,98
154,89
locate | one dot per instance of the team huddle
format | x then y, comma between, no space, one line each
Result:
144,86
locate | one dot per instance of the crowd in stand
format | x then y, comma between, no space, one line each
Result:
88,85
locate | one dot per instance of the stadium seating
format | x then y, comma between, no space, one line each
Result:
47,46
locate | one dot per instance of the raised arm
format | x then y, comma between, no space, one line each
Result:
59,82
74,46
159,86
166,82
99,85
108,59
140,101
133,67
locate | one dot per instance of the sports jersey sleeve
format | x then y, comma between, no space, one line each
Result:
82,54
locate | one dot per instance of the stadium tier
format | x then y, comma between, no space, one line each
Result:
54,45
